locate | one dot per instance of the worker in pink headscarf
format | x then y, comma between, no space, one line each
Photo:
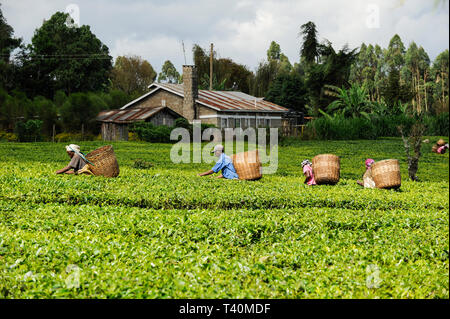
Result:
308,172
442,149
367,177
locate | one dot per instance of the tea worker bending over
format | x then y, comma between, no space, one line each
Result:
440,147
77,160
224,164
367,177
308,172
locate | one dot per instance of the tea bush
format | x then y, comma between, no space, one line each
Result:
9,137
167,233
66,137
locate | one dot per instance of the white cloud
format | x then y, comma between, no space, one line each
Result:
158,48
239,29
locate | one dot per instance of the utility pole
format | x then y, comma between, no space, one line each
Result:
211,67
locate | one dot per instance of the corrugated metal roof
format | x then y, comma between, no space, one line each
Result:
127,116
219,100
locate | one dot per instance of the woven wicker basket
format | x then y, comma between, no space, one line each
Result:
441,142
247,165
386,174
326,169
104,160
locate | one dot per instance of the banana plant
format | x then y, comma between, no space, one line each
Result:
350,102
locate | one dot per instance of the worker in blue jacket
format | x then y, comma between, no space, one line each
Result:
224,164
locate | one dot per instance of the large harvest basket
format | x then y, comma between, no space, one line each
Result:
326,169
247,165
104,160
386,174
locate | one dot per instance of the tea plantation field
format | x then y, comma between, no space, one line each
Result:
164,232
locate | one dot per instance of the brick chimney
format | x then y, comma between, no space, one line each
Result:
190,86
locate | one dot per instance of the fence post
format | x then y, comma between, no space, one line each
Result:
82,131
53,134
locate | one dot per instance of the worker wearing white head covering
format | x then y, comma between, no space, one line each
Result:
77,160
72,148
224,164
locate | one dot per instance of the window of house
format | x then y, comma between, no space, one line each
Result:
224,122
237,123
267,122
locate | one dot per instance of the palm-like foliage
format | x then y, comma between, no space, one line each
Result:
352,102
216,85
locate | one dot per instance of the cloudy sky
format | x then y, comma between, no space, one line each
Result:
240,29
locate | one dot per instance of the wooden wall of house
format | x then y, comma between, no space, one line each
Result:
114,132
163,118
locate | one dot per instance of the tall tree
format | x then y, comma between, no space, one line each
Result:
334,69
7,44
417,72
395,53
265,75
284,66
169,73
288,90
357,68
369,72
64,57
310,47
227,74
424,69
276,66
274,51
380,73
394,91
132,75
80,109
440,70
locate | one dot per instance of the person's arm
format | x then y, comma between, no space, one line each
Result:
220,176
65,170
218,167
308,177
206,173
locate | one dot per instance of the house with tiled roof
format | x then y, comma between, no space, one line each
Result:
165,102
